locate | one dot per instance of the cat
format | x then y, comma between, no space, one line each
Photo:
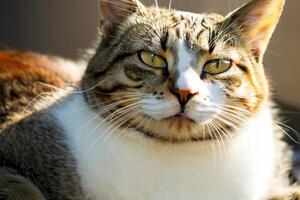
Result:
173,105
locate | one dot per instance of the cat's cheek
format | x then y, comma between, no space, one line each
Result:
216,94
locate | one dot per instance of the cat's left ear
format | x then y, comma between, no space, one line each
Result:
256,22
114,12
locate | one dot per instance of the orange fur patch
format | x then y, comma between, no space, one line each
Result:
30,66
21,75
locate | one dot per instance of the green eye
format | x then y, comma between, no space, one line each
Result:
215,67
152,59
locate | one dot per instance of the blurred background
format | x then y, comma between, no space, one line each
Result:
67,27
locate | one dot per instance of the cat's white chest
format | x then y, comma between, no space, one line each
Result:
116,165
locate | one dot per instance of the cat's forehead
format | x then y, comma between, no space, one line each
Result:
190,16
179,15
155,29
185,24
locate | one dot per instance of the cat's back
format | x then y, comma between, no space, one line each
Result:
31,141
26,76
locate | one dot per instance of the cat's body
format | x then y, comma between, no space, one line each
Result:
130,167
173,106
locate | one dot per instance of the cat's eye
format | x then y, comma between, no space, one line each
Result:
218,66
152,60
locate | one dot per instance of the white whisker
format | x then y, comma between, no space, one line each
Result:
170,5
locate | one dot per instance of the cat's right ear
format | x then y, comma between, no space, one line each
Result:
256,22
114,12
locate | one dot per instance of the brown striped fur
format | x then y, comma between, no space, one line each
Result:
26,75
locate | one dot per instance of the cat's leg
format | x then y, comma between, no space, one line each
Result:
15,187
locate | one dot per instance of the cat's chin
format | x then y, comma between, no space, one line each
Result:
171,139
177,131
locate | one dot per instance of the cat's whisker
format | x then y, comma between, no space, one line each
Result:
219,135
33,100
105,120
235,119
113,101
231,121
227,133
108,126
157,6
106,109
277,124
213,132
237,108
120,111
280,125
126,128
287,134
148,120
234,113
72,91
111,129
211,142
170,5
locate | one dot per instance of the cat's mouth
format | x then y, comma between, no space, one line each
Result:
181,117
182,120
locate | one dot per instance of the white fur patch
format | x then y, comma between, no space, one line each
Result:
127,166
160,109
188,79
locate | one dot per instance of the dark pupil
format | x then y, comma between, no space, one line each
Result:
217,64
152,57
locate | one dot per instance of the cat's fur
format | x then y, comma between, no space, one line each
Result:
120,137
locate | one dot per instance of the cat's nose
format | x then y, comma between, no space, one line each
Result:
185,84
183,95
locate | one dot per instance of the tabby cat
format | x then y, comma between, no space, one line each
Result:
173,106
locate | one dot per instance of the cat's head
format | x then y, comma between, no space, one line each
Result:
177,76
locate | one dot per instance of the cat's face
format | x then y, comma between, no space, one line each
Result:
177,76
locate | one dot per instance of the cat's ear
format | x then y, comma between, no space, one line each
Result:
114,12
256,22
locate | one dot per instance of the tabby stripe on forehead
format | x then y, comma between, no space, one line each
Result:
212,41
164,40
178,32
176,24
200,33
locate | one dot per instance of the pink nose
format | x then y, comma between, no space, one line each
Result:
183,95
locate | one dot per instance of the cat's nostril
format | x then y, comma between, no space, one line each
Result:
154,93
162,93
